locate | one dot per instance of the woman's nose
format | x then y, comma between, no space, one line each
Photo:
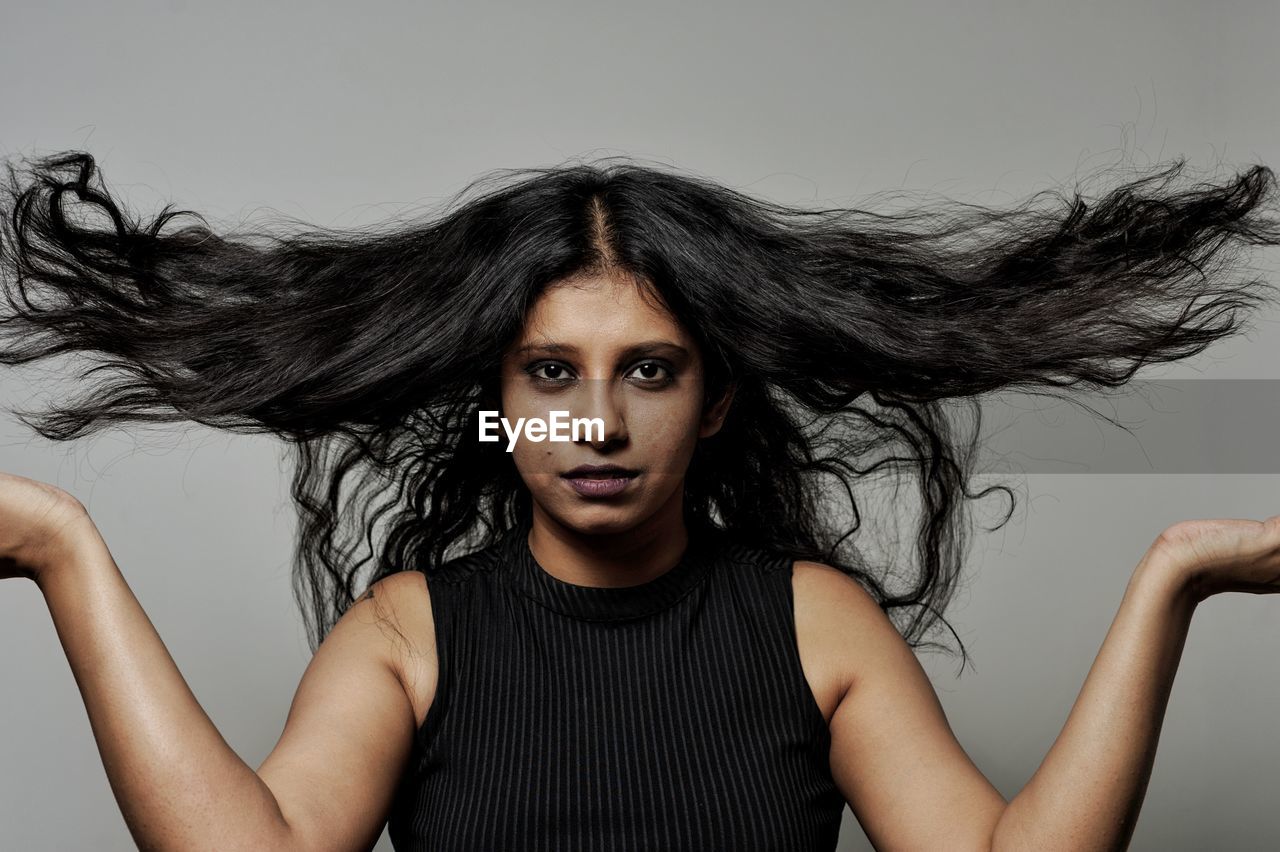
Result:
601,400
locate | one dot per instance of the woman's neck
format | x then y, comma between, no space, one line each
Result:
627,558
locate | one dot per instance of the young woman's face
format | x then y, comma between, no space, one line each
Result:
594,348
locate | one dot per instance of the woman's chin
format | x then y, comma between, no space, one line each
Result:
599,519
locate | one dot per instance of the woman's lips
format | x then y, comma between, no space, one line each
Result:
600,485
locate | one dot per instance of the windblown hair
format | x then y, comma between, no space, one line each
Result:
370,351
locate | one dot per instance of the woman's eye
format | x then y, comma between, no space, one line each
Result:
548,372
652,371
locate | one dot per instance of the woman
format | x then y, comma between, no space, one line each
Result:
660,634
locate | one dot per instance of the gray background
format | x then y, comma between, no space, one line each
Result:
346,116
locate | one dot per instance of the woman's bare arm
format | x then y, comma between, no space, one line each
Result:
912,786
328,783
1088,790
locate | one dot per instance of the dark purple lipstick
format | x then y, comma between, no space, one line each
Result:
599,480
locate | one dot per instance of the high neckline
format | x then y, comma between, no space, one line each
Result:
608,603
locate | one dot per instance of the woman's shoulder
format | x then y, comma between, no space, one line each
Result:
809,577
820,580
822,593
407,593
405,596
839,618
833,600
411,602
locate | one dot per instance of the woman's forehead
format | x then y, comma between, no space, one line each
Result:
593,310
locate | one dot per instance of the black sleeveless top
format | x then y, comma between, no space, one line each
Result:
671,715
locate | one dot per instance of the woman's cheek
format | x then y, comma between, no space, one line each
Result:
667,442
536,459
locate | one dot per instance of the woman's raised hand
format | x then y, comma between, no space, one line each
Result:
1225,554
34,517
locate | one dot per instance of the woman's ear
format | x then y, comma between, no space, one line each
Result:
713,415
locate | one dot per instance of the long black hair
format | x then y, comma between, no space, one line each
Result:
846,334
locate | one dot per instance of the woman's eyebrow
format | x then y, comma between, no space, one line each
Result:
647,347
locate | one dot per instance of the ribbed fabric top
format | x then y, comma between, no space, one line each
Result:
669,715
